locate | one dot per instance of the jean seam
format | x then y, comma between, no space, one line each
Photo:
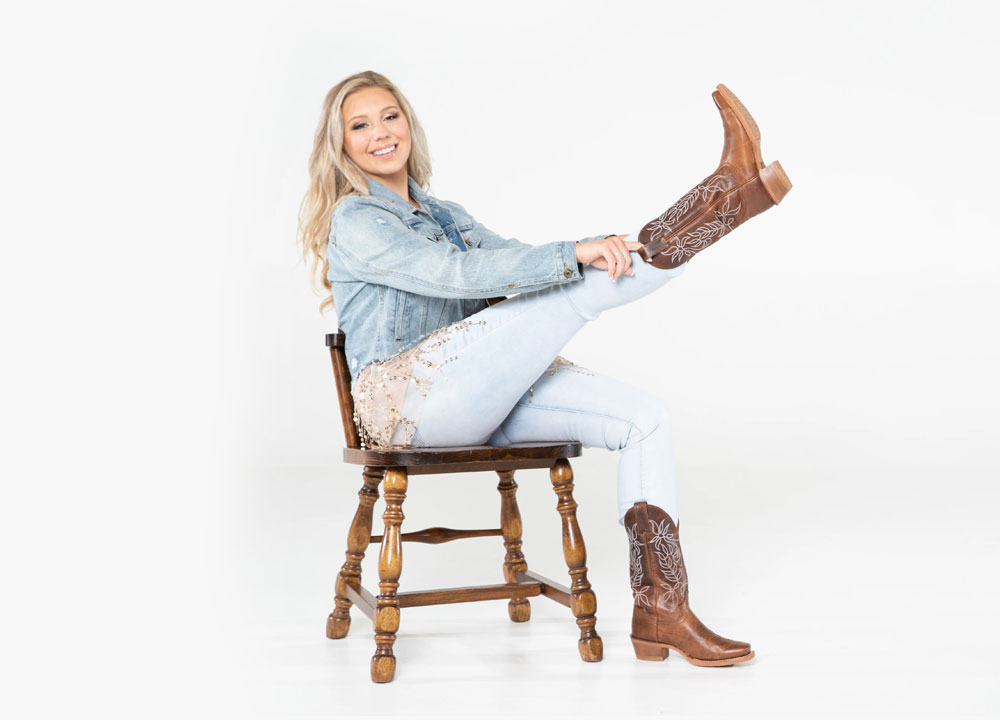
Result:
534,405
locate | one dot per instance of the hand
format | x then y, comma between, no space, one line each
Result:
611,254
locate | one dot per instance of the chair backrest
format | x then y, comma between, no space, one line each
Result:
342,376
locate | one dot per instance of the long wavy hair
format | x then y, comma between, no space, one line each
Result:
334,176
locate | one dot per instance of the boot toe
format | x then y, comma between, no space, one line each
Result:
735,649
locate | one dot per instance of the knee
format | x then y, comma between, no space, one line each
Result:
650,419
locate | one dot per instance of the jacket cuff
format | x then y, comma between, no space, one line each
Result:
569,267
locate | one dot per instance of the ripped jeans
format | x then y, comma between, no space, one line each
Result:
499,380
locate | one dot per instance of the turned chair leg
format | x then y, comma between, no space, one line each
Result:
358,537
583,602
390,565
519,609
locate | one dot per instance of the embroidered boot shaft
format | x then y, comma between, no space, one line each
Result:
661,617
740,188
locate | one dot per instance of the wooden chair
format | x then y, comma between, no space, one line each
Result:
392,467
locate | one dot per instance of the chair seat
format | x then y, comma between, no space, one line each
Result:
467,458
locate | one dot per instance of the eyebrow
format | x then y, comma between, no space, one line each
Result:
381,111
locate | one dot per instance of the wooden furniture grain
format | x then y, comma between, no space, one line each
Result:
392,468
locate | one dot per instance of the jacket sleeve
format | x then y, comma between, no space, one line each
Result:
491,240
372,244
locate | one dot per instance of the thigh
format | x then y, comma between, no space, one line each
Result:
472,372
572,403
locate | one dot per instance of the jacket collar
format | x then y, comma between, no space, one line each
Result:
381,191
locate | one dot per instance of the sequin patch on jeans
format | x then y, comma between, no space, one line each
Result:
380,388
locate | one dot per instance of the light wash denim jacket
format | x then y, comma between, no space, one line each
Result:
396,277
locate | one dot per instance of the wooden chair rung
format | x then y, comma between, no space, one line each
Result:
550,588
474,593
530,584
438,535
362,599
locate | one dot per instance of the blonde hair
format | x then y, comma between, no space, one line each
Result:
334,176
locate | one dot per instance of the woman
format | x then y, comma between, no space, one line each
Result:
433,365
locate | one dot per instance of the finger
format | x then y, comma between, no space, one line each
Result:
616,256
619,259
626,256
610,258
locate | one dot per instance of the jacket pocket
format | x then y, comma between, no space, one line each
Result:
410,315
464,223
399,322
434,310
467,233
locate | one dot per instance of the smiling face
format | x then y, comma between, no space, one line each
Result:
374,121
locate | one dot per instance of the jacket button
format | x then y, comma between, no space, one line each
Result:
567,273
511,285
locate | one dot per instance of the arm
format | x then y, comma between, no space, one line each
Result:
489,239
374,245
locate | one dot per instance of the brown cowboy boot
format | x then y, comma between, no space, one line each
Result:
740,188
661,618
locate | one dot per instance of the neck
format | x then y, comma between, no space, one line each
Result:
397,182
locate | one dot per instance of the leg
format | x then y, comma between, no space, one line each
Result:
603,412
518,609
573,403
526,331
390,565
583,602
358,537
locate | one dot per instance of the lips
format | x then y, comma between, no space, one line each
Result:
392,152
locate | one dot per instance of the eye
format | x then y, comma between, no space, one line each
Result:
391,116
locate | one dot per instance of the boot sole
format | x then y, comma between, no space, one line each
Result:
658,652
746,120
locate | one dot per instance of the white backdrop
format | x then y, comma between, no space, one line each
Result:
177,503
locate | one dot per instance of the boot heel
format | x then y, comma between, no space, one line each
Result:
775,181
647,650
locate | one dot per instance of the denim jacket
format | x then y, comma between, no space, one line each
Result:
396,277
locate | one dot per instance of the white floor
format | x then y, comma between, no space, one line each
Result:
859,600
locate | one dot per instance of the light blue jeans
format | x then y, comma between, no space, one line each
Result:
494,388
